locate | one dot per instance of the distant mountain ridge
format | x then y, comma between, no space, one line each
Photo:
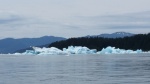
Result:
113,35
10,45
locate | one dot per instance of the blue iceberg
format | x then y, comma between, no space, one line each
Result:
79,50
76,50
113,50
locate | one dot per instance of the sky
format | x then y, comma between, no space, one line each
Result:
72,18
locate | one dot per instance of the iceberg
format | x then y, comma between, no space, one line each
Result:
76,50
113,50
79,50
43,51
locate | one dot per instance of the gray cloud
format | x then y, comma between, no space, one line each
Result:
17,26
6,18
128,27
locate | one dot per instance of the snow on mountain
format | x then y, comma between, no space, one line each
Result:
113,35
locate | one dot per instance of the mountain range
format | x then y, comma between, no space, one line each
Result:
11,45
113,35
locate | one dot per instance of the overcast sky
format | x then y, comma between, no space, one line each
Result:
72,18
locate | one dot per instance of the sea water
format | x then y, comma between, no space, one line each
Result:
75,69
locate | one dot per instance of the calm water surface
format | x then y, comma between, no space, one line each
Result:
79,69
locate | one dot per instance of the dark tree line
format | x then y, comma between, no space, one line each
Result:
140,41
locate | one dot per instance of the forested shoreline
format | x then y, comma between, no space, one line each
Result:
139,41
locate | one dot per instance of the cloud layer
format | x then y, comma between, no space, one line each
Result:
72,18
18,26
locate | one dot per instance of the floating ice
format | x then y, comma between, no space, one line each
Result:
79,50
43,51
76,50
113,50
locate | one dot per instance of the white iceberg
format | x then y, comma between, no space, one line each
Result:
76,50
43,51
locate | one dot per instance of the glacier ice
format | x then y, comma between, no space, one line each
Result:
76,50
